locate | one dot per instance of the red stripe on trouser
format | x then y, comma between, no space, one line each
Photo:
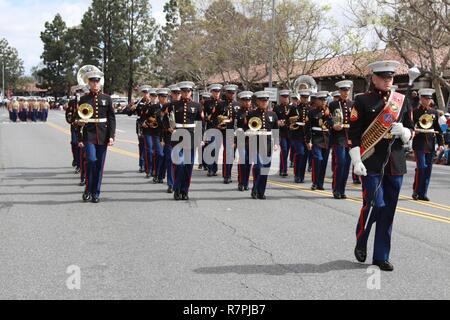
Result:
282,159
147,160
313,173
335,162
361,216
224,160
85,173
239,172
416,180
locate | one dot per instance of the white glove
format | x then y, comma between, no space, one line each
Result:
360,169
401,132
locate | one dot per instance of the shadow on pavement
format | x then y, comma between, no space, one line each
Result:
282,269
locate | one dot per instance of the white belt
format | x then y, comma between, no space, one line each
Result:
258,133
319,129
425,130
104,120
185,126
302,124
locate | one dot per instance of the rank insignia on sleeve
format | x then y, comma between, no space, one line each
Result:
354,116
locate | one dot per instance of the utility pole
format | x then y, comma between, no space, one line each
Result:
3,81
272,44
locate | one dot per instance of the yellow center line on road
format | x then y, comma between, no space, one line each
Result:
412,212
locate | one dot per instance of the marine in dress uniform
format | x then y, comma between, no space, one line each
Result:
282,111
204,97
244,165
136,109
209,107
295,98
71,112
227,108
297,118
151,129
185,112
317,138
428,133
340,109
97,134
261,156
382,164
163,98
23,110
168,167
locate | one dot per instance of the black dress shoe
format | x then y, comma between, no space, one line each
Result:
227,181
74,163
336,195
210,174
424,198
200,167
95,199
383,265
170,190
160,181
313,187
254,195
177,195
87,197
155,181
361,254
320,188
82,183
141,170
415,196
343,196
77,170
246,188
240,187
185,196
215,174
261,197
147,176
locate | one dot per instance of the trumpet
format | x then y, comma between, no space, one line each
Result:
293,123
255,124
223,122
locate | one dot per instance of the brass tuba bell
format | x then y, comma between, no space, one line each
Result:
426,121
85,112
152,123
223,122
293,123
255,124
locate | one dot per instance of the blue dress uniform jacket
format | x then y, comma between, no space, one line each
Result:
365,109
341,138
99,133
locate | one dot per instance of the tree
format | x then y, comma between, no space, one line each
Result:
13,64
419,30
304,39
102,42
57,73
138,35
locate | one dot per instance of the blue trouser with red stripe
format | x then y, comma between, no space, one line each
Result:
260,175
244,166
154,155
382,213
341,168
75,148
424,165
13,116
141,151
95,157
284,155
300,158
167,166
228,157
319,165
183,170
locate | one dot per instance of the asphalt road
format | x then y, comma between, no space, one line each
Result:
138,243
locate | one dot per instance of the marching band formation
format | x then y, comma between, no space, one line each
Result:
28,109
367,135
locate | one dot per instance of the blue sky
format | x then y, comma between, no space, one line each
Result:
22,21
